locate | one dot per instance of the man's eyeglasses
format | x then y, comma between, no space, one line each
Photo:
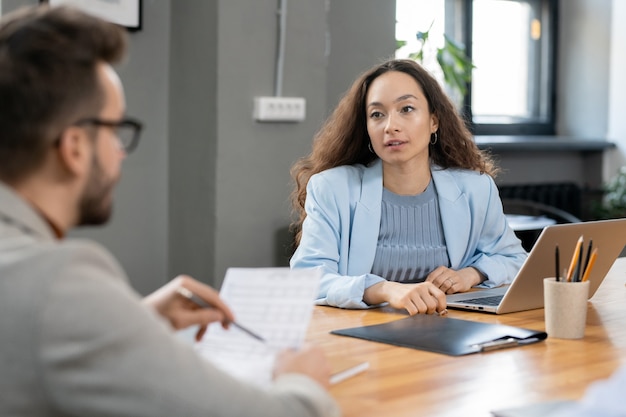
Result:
127,130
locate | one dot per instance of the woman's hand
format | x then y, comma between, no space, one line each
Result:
415,298
451,281
182,312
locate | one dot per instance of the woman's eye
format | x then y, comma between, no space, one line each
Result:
407,109
376,115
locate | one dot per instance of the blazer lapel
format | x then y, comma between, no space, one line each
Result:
455,215
366,221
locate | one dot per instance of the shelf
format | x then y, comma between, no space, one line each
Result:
542,143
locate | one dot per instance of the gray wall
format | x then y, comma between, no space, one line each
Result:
138,232
208,187
617,90
253,159
355,44
584,56
192,143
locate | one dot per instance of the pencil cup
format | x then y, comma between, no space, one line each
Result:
565,308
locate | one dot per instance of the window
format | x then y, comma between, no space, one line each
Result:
512,44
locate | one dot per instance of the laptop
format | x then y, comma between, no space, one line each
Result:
526,290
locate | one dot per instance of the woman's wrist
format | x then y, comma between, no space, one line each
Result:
375,294
474,275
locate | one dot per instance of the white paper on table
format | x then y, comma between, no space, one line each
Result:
275,303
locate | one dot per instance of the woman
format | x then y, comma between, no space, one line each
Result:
396,203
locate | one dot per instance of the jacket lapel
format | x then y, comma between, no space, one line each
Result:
455,215
366,223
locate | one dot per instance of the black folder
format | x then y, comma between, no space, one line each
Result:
445,335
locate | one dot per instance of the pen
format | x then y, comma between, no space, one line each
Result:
588,255
497,344
590,263
556,261
201,303
574,261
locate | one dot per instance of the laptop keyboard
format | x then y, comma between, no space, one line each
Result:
485,301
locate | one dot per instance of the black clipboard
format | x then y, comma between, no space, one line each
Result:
445,335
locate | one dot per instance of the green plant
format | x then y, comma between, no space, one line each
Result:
454,63
613,203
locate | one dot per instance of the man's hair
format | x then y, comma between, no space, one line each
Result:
48,59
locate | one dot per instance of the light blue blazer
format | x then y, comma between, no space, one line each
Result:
340,231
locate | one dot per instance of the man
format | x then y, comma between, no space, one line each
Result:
601,399
76,340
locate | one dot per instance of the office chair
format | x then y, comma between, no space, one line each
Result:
528,218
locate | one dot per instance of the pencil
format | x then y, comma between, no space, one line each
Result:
574,261
201,303
592,260
579,266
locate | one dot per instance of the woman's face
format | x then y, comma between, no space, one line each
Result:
399,122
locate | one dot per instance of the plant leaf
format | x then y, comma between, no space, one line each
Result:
454,63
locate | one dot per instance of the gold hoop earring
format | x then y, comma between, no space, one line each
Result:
433,138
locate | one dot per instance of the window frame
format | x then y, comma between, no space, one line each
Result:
530,127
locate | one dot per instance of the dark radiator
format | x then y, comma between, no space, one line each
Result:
565,196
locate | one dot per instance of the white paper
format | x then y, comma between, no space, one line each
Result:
275,303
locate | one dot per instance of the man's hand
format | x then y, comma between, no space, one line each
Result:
182,312
308,360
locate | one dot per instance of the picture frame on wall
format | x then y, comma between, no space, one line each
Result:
125,13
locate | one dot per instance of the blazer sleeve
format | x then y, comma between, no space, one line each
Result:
325,242
103,353
498,252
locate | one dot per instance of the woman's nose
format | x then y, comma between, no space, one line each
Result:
392,125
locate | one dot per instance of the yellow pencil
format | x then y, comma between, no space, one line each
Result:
575,256
592,259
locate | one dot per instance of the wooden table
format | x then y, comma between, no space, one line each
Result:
407,382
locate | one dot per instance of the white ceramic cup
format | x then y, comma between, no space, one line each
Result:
565,308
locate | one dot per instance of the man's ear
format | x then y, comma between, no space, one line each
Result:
75,150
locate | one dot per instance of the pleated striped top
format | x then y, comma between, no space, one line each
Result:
410,242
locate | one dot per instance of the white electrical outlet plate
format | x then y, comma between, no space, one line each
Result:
279,109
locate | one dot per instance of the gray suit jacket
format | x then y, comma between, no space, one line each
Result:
76,340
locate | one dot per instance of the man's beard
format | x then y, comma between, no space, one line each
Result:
96,204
